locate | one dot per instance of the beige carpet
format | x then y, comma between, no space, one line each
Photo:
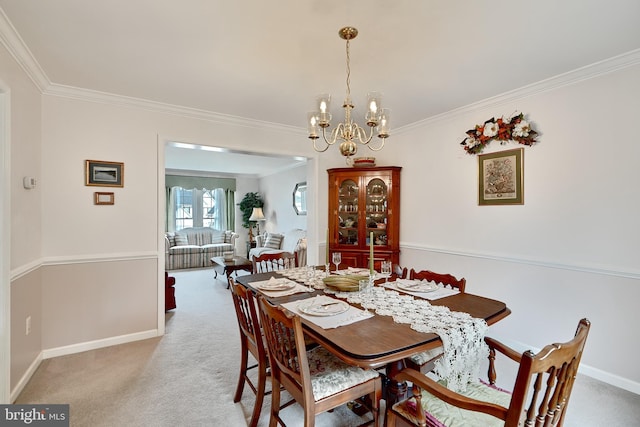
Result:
186,378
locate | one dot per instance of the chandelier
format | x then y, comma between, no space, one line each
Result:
348,132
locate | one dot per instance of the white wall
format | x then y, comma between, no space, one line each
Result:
20,286
277,192
571,250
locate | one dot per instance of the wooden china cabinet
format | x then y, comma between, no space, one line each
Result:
364,200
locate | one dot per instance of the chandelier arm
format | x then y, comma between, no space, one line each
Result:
362,135
315,147
372,148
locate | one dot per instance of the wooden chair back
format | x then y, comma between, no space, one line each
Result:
547,378
540,394
290,369
400,272
287,352
273,262
251,341
445,279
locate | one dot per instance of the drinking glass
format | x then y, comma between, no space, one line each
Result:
386,270
337,259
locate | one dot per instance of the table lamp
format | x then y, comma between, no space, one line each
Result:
257,215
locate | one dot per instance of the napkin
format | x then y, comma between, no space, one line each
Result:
279,287
441,292
350,316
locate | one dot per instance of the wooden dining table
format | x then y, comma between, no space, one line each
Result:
379,341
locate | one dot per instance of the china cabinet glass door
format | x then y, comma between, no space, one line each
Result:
348,212
377,211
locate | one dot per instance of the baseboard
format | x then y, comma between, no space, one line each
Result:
92,345
25,378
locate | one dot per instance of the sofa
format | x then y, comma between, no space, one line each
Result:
294,241
194,247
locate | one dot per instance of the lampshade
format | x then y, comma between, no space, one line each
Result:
257,215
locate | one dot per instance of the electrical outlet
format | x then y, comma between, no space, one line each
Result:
28,326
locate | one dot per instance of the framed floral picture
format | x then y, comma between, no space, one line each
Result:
501,178
104,174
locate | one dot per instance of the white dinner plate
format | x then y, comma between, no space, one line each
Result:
330,308
277,285
414,286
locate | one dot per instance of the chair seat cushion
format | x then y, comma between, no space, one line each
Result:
441,414
426,356
330,375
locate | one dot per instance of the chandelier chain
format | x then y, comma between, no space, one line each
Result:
348,74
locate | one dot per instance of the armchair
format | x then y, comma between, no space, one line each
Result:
540,394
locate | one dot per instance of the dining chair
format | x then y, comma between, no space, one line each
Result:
251,341
540,393
315,378
425,361
400,272
273,262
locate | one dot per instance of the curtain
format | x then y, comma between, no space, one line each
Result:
220,209
231,209
170,225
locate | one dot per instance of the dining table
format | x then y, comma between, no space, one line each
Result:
378,341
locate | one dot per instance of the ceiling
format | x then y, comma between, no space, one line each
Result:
267,61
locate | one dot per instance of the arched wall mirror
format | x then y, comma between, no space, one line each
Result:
300,198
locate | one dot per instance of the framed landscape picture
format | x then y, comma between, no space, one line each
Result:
500,178
104,174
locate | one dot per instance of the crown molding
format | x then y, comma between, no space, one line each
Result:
23,56
90,95
587,72
21,53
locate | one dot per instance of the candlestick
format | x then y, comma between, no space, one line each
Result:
371,254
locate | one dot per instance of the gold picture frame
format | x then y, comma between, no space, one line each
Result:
104,174
103,198
501,178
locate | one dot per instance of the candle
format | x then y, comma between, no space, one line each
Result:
327,256
371,253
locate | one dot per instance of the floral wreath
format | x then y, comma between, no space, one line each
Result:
514,128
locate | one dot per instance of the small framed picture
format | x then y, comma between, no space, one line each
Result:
103,198
500,178
104,174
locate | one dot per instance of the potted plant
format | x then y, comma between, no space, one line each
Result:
249,201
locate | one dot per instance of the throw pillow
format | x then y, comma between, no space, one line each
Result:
181,239
273,241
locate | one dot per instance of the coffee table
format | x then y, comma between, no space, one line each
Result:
220,265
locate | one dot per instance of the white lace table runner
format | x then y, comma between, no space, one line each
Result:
462,335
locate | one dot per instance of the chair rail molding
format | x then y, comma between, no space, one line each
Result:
522,260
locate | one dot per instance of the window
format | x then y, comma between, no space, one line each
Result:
195,208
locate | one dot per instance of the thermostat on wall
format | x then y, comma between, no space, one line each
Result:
29,182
